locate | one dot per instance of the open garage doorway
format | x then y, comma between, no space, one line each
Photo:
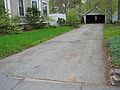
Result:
95,15
95,19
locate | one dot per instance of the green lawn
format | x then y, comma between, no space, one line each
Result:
11,44
112,37
111,30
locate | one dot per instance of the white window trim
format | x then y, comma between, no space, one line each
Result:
7,5
40,5
37,3
47,3
23,8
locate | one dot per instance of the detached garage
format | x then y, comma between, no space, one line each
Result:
95,15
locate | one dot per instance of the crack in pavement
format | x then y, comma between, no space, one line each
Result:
53,81
17,84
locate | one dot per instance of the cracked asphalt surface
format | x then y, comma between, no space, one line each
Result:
72,61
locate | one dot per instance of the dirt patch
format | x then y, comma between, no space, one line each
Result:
108,64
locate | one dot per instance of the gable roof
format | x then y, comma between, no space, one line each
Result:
95,10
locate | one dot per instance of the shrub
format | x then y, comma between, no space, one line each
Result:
9,24
73,18
34,16
61,21
116,22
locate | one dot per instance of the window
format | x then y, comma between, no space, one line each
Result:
45,9
34,4
21,8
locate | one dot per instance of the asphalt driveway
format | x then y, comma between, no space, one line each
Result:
72,61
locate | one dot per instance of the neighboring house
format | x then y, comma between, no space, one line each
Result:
95,15
55,17
19,7
115,16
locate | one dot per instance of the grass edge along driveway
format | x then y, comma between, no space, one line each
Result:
112,37
11,44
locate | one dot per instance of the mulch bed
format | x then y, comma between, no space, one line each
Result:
108,65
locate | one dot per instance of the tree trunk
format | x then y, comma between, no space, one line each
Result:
118,9
79,1
109,9
54,6
61,6
65,6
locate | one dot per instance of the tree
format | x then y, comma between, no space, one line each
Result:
34,15
73,17
109,11
80,6
62,6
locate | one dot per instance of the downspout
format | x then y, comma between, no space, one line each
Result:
48,12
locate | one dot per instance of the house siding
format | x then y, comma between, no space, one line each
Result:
14,7
26,4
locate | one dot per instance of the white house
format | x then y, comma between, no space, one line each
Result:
115,16
18,7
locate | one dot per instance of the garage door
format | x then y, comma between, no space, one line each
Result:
95,18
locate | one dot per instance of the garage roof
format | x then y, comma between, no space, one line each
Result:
95,11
